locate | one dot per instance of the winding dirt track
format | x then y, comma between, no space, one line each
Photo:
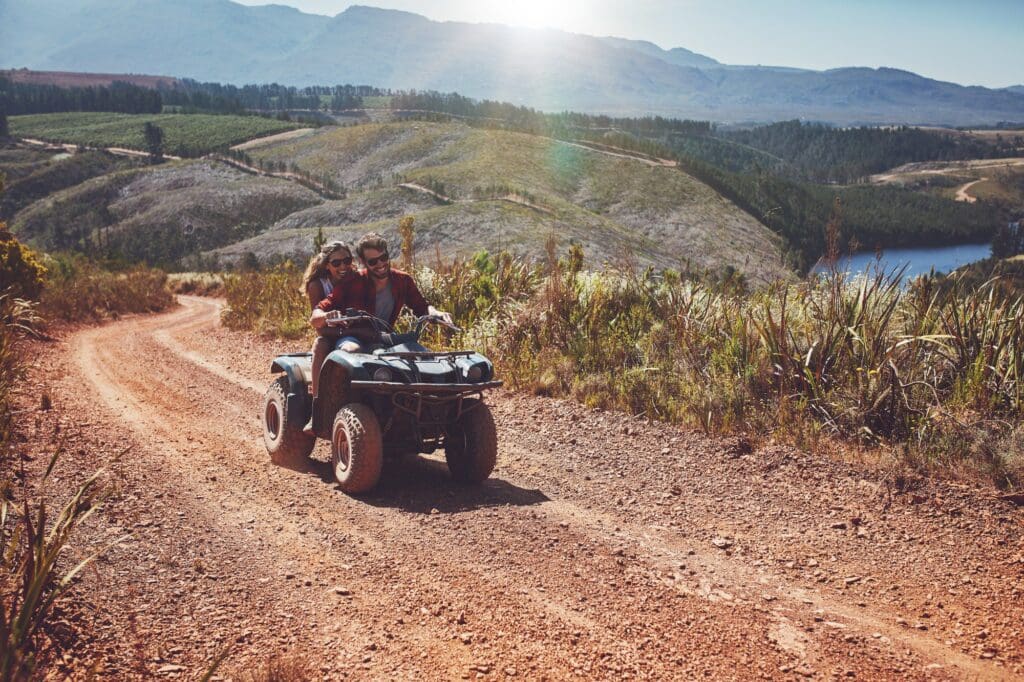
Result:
602,547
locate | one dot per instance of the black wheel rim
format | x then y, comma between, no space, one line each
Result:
272,420
340,451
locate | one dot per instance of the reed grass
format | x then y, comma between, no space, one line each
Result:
30,576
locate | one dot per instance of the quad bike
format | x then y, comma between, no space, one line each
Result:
396,398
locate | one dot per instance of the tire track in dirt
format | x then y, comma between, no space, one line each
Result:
558,581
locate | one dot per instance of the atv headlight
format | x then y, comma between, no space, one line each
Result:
474,373
382,374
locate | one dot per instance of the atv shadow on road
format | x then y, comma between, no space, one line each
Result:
421,485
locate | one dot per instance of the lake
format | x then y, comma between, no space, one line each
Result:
918,261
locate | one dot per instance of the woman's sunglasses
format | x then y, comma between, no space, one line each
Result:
338,262
383,258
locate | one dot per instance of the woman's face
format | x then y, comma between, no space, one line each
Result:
339,263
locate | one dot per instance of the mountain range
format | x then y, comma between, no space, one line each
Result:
219,40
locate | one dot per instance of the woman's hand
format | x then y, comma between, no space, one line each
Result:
318,320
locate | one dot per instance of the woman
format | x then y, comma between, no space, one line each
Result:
327,271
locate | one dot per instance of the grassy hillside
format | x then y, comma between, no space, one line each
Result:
161,214
184,134
34,174
616,207
460,229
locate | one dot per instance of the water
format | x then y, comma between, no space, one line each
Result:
918,261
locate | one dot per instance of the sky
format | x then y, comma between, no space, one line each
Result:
972,43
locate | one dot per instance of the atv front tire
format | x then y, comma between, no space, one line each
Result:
286,442
357,451
471,447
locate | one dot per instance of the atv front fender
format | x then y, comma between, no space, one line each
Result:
297,367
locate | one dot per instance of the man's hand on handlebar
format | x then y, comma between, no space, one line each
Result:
445,317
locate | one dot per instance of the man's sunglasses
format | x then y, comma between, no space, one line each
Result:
338,262
383,258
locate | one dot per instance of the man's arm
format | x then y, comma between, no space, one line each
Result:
411,295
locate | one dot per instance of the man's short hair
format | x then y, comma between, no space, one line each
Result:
371,240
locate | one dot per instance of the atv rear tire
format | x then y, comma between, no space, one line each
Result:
471,447
357,452
285,442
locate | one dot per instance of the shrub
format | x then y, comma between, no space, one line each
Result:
21,273
80,289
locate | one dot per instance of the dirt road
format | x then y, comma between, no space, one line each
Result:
961,191
602,547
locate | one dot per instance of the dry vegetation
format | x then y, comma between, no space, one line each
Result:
931,374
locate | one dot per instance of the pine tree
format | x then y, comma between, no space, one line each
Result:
154,143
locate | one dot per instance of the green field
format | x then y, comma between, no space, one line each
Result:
377,102
184,134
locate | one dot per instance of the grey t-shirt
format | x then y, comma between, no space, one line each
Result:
384,304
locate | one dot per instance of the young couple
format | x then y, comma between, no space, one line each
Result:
332,283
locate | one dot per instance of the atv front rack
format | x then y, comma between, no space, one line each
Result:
419,389
426,355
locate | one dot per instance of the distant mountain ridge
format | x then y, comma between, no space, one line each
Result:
219,40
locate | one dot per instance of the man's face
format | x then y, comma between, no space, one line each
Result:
377,263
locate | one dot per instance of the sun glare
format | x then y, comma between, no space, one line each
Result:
538,13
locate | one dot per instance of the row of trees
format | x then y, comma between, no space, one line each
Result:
34,98
187,95
530,120
823,153
192,95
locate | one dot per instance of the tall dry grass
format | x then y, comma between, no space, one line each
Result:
932,372
78,289
267,302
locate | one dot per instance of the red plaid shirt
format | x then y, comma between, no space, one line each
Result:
359,293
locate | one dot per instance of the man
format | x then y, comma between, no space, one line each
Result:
384,291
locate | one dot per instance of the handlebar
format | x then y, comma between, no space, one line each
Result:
337,318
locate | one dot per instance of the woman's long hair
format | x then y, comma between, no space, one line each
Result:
317,267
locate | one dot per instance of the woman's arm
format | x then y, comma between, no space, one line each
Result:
315,293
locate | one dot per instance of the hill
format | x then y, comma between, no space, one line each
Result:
468,188
553,70
160,214
498,189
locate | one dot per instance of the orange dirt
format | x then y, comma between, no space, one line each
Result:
604,546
